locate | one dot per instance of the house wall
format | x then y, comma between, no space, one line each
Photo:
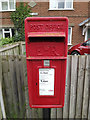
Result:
75,16
5,18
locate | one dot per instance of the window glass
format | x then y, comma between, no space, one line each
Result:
7,35
11,3
61,3
69,35
88,36
53,3
68,3
4,5
88,43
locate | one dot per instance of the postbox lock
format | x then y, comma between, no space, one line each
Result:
46,62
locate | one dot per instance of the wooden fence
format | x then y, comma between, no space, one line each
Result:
17,48
13,80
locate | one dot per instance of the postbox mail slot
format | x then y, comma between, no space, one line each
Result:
46,39
46,34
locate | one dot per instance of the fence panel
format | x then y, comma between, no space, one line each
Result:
53,113
13,49
80,86
67,89
73,88
15,89
7,86
59,112
86,89
28,109
89,107
20,85
2,107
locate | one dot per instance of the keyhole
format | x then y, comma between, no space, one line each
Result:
36,83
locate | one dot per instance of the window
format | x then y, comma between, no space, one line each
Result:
87,33
7,32
61,4
69,35
7,5
88,43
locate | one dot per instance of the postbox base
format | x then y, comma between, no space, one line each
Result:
46,106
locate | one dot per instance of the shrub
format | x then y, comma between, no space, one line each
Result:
18,17
4,41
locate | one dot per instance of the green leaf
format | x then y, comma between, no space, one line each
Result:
18,17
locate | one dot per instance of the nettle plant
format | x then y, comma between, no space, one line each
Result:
18,17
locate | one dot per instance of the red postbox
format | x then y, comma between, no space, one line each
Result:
46,55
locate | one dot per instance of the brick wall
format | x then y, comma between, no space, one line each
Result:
80,9
5,18
75,16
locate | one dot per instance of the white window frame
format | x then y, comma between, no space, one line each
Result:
70,36
8,6
9,31
85,30
50,8
86,33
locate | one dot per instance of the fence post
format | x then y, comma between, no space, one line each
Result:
27,107
67,89
81,72
86,89
73,89
2,110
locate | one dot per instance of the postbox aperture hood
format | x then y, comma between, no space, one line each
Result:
46,34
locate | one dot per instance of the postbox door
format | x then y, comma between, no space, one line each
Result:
46,89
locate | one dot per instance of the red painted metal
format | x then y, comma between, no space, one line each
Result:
46,58
46,39
46,34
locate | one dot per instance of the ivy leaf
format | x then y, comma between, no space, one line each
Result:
18,17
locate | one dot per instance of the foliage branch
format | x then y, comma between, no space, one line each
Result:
18,17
